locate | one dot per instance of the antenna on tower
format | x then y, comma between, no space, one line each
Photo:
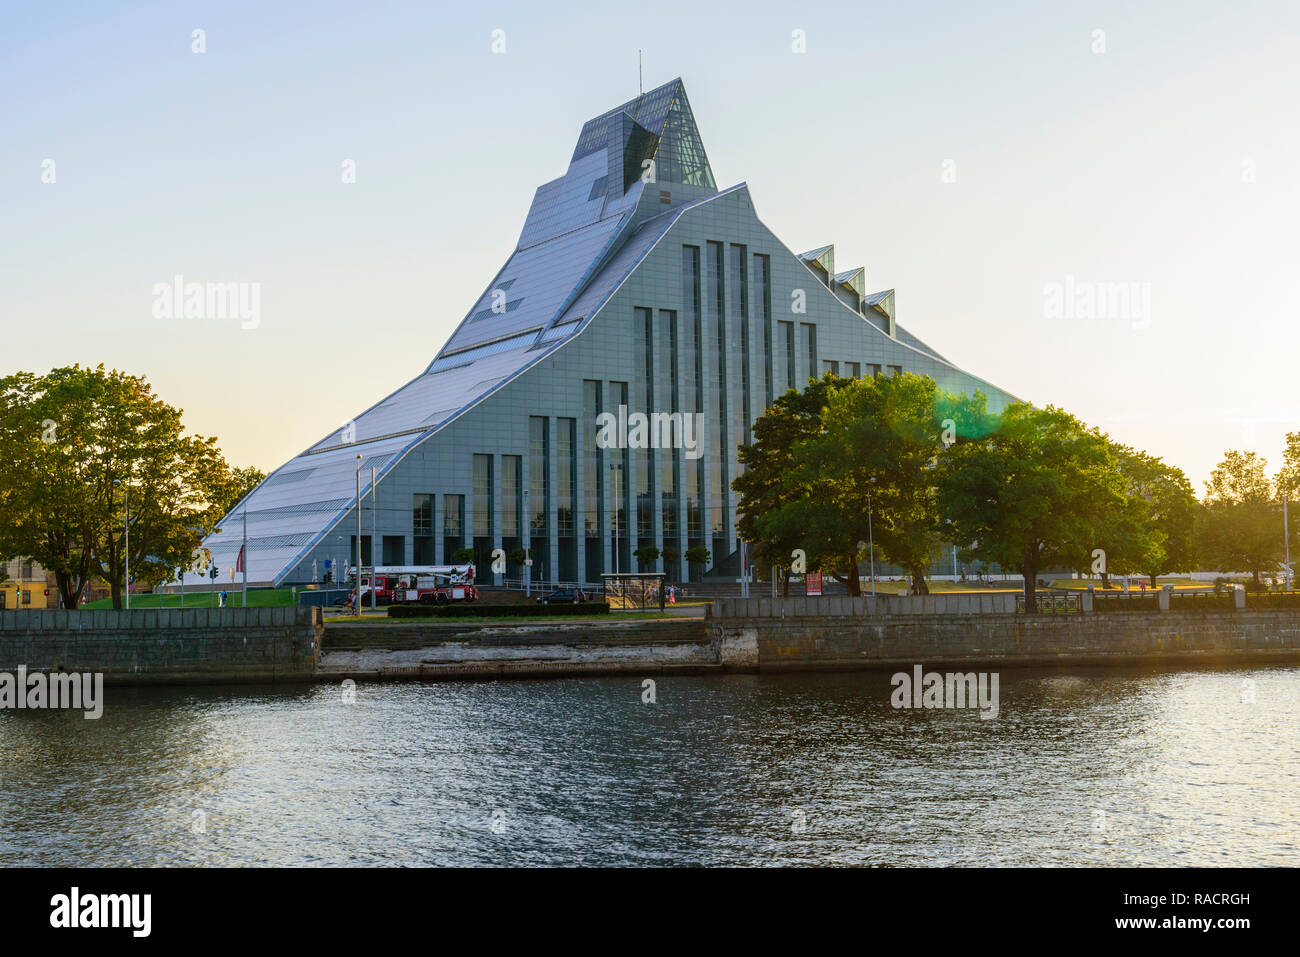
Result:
640,81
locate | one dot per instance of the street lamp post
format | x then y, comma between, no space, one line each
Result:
527,520
871,541
243,562
615,515
356,598
126,544
374,536
1286,541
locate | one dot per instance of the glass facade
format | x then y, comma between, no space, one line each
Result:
453,526
566,467
483,517
538,456
787,338
512,481
669,459
718,416
763,274
422,531
619,462
681,156
810,332
643,334
593,479
738,274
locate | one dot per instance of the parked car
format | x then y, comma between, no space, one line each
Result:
566,595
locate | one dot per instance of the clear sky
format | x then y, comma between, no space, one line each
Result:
972,156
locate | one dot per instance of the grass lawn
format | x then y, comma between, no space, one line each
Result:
257,598
1134,584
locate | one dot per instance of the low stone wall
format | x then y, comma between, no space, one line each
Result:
464,649
889,641
996,603
184,645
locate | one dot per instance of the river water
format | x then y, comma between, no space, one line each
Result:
1094,768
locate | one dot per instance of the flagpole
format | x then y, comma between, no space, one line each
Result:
374,535
243,557
356,594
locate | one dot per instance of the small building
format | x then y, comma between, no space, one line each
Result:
26,586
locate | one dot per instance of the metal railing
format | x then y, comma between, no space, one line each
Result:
1053,604
1133,601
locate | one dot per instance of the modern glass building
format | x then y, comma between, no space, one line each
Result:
637,286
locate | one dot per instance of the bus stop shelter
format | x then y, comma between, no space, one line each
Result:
642,591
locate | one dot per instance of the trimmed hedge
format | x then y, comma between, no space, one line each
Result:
468,610
1287,601
1130,602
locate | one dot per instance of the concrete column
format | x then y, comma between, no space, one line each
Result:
1165,592
1239,596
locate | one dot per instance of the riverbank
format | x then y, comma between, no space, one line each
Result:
468,649
198,646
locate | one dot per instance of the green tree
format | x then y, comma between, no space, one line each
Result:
73,444
1030,495
1130,540
1167,508
1241,527
646,555
769,481
697,556
881,442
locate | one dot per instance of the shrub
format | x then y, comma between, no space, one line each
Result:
467,610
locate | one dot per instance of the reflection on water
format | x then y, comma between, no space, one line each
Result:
1092,768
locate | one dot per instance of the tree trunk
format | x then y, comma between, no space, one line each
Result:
116,590
1105,579
853,584
785,583
1030,572
71,597
919,587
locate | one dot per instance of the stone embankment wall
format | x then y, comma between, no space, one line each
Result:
181,645
582,647
839,633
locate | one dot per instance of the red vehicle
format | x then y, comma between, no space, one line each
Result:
424,584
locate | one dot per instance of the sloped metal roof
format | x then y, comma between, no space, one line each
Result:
855,279
817,255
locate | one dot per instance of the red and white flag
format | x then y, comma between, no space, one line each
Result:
239,562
